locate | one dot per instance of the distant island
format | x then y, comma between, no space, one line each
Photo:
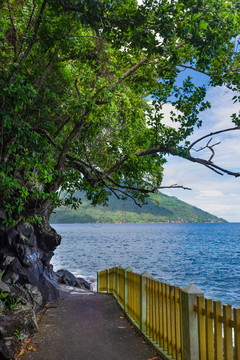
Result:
160,208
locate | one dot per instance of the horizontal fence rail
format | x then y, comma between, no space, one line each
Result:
179,323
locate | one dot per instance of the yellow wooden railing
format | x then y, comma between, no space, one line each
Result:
179,323
216,326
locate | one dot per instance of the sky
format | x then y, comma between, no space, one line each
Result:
216,194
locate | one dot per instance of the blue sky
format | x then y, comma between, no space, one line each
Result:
216,194
219,195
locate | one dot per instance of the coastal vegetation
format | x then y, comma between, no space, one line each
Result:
76,77
75,82
160,208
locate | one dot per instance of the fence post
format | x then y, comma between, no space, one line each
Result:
98,282
114,279
119,267
125,288
189,322
108,281
143,301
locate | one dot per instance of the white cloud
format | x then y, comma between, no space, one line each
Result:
211,193
216,194
166,109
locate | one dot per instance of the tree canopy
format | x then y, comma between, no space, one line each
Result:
75,82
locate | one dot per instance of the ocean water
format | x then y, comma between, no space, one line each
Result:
207,255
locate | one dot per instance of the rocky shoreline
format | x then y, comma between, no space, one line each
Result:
18,318
27,280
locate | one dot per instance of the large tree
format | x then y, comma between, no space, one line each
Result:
75,82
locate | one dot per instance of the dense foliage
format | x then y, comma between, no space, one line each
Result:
74,82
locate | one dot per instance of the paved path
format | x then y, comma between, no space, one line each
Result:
83,327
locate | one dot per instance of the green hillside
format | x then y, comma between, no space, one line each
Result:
167,209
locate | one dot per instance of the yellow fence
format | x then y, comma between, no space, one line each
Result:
216,327
179,323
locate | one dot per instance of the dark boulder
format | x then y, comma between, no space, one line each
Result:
83,284
47,237
67,278
25,254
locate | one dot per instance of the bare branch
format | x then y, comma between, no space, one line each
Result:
210,147
147,191
174,186
219,170
211,134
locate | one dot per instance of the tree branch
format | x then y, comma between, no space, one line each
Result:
48,67
147,191
13,27
192,68
29,22
128,73
211,134
210,147
46,133
34,38
131,71
70,138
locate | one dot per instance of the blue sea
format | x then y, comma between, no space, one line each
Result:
207,255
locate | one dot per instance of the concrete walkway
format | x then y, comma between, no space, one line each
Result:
87,326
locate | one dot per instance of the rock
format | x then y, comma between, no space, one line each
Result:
8,347
39,275
7,326
12,237
2,307
27,255
83,284
34,294
7,260
19,292
18,324
21,319
67,278
25,229
4,287
31,241
47,257
47,237
19,269
10,278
